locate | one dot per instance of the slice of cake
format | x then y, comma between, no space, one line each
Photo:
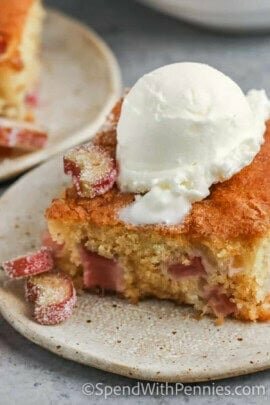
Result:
20,30
217,258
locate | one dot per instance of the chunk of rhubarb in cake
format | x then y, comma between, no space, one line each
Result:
32,98
98,271
47,241
192,267
219,302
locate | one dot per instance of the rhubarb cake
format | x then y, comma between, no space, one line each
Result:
20,29
217,258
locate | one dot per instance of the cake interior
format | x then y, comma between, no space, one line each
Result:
137,265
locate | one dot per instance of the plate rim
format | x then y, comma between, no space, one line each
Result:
23,163
103,363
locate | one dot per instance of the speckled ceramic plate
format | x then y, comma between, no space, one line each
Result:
80,82
154,340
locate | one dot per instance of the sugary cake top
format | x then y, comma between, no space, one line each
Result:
236,209
12,19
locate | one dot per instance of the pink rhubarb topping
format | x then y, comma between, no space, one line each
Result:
92,170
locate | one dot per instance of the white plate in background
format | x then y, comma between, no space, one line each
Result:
223,14
80,82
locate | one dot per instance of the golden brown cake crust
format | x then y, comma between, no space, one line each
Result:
12,18
238,208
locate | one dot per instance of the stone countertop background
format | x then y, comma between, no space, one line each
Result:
142,40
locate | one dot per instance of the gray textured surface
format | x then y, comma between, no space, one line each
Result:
142,40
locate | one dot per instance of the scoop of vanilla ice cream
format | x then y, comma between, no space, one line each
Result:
182,128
